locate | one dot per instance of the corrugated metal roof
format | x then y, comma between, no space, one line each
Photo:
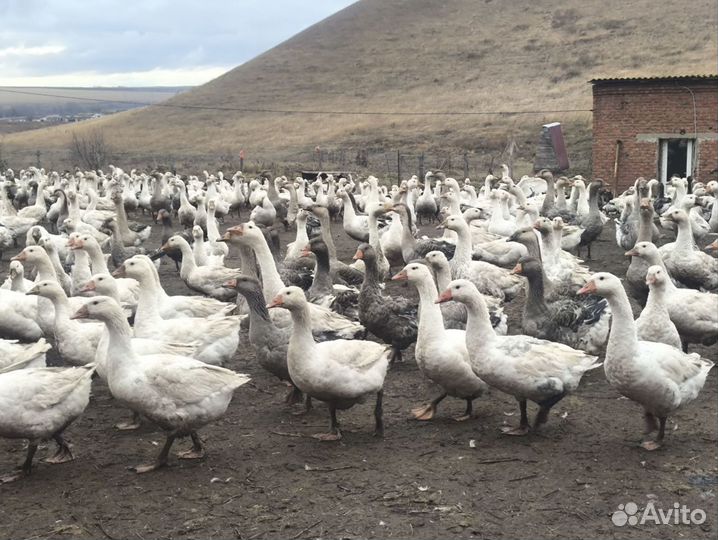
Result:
656,78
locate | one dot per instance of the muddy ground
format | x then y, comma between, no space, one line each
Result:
265,477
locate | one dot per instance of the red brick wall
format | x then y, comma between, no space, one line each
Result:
626,109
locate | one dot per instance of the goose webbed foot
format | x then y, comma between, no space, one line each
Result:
467,413
197,450
129,425
427,412
63,453
161,458
24,469
523,428
655,444
335,434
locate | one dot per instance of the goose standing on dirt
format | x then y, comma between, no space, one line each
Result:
659,377
441,354
341,373
38,404
178,393
522,366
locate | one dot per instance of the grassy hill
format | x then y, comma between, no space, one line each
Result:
409,56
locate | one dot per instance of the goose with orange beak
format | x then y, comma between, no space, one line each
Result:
525,367
341,373
657,376
440,353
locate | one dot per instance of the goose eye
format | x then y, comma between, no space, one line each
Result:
95,303
289,293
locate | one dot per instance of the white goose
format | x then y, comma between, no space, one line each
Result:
178,393
205,279
342,372
440,354
654,323
659,377
38,404
76,342
694,313
216,338
522,366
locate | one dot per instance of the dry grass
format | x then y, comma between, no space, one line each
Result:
418,55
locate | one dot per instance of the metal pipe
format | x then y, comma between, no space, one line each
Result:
615,168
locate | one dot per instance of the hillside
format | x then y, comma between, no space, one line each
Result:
410,55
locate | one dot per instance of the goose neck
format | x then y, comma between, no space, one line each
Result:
622,341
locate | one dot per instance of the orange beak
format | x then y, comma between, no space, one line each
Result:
358,255
165,247
650,280
588,288
401,276
81,313
631,253
20,256
119,271
518,269
306,251
89,287
277,302
444,297
230,284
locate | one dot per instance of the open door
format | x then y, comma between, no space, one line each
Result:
676,158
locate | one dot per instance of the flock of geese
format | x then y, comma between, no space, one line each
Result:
86,283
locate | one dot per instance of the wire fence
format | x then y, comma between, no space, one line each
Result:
386,164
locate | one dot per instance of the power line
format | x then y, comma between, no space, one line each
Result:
290,111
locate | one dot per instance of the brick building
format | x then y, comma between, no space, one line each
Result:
655,127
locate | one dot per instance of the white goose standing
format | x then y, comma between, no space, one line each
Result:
659,377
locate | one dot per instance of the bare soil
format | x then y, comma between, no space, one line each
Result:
264,477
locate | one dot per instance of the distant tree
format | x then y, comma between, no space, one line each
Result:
90,150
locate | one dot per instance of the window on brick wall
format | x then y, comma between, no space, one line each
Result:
676,158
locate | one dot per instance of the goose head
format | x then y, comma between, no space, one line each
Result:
656,276
174,243
197,232
134,267
31,254
414,272
16,269
527,266
47,289
436,260
102,308
543,225
454,223
459,290
602,284
100,284
365,252
644,250
244,285
713,246
244,233
290,298
676,215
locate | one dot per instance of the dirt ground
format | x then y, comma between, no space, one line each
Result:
264,477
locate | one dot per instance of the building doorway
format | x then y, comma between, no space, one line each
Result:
676,158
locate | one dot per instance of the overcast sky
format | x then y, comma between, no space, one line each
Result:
143,42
